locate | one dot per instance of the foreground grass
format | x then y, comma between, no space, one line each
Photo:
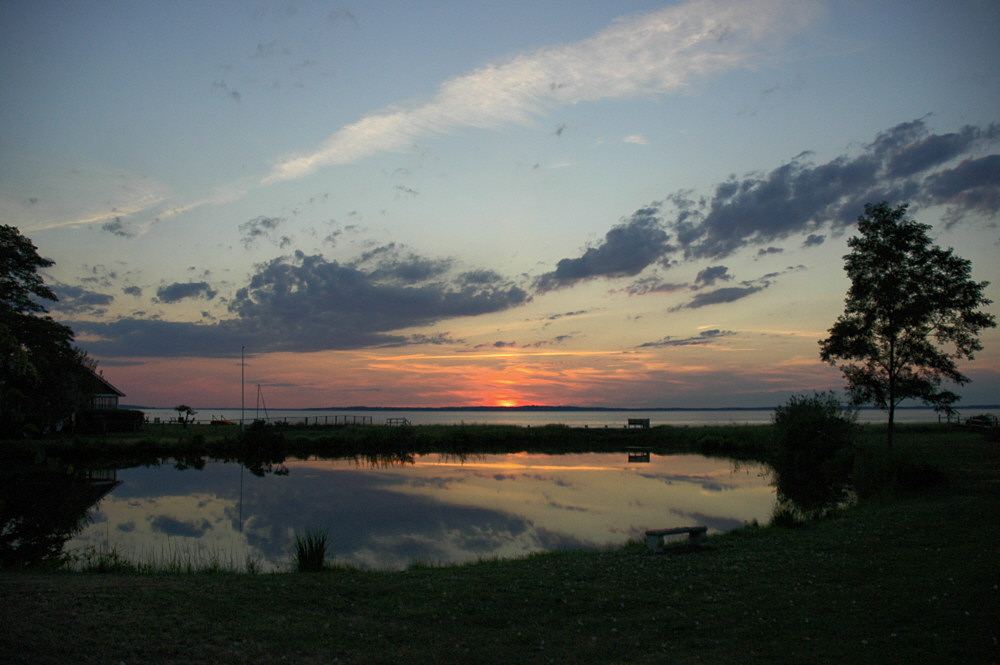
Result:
899,580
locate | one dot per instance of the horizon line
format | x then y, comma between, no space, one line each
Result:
542,407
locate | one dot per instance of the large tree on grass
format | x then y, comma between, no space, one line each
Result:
911,313
41,372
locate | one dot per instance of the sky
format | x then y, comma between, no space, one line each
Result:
597,203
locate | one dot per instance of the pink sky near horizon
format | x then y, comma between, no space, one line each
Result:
344,379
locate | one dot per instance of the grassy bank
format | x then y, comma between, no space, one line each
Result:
901,579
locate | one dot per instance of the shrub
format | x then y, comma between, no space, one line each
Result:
262,449
785,516
261,436
814,449
310,551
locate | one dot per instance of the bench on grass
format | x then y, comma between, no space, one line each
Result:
984,421
654,537
642,423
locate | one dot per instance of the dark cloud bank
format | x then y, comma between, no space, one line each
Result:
903,164
307,303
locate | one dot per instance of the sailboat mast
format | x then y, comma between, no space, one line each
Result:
261,403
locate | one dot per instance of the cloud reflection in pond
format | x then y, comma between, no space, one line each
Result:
437,510
175,527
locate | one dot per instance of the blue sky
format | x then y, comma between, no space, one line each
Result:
445,203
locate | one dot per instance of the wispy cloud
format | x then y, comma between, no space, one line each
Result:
123,204
703,338
75,196
261,226
726,294
647,54
118,228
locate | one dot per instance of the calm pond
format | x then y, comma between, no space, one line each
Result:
439,509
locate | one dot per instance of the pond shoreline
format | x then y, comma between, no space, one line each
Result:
272,443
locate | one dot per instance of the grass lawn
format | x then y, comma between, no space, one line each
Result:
904,579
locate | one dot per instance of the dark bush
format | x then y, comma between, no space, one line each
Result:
262,448
102,421
814,449
261,436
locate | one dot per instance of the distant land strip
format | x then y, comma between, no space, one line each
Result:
555,408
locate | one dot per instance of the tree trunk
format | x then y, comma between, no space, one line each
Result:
892,392
892,418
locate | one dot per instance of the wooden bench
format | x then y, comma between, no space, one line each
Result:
984,421
638,422
654,537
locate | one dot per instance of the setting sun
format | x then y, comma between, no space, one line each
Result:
503,401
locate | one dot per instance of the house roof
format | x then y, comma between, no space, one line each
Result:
101,386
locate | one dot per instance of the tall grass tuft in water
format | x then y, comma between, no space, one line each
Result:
310,551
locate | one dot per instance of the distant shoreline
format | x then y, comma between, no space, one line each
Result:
513,409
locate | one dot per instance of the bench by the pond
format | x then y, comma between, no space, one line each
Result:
397,422
654,537
984,421
638,422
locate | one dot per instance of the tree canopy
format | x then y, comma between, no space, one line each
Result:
41,372
912,311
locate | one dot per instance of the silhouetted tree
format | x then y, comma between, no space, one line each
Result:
41,372
42,507
912,311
